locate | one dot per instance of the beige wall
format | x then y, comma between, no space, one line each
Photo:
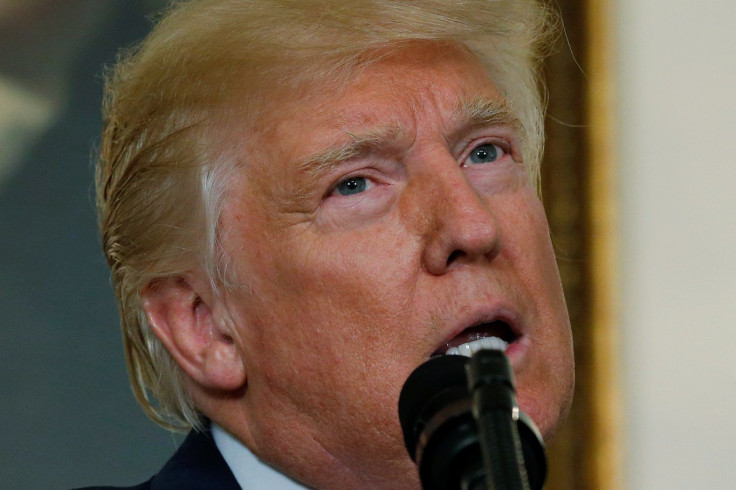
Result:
676,84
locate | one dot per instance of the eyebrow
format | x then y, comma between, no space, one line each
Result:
483,111
360,144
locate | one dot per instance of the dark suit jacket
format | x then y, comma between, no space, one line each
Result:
196,465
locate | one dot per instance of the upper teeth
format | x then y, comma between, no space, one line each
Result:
469,348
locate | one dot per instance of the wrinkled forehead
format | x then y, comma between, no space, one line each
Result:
344,89
292,83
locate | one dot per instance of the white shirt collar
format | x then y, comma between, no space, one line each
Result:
250,472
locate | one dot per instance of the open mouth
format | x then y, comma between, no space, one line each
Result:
493,335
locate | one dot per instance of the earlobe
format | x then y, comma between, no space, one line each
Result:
183,317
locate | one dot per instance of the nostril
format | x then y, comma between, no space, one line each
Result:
456,254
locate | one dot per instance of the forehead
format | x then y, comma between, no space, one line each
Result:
401,84
390,84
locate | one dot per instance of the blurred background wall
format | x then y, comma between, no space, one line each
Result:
68,418
67,415
676,84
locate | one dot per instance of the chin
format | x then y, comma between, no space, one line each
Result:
548,408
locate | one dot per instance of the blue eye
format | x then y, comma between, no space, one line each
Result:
351,186
485,153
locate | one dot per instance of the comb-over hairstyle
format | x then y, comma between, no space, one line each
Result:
170,113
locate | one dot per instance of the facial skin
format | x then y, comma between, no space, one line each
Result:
346,286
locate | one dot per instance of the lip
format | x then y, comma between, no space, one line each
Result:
485,315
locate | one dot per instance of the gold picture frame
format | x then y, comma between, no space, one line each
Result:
578,188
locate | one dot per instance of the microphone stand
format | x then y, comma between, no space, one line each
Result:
490,381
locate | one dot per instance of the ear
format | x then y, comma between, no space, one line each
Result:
199,342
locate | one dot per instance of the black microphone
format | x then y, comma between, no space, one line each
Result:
441,407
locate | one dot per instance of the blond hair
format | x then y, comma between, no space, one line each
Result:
164,164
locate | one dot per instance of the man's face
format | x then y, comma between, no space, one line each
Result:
378,225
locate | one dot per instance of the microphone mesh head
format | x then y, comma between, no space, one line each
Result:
427,382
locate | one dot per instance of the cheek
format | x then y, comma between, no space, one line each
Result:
337,315
339,295
525,236
544,385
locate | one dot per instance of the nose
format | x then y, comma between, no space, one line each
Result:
462,227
